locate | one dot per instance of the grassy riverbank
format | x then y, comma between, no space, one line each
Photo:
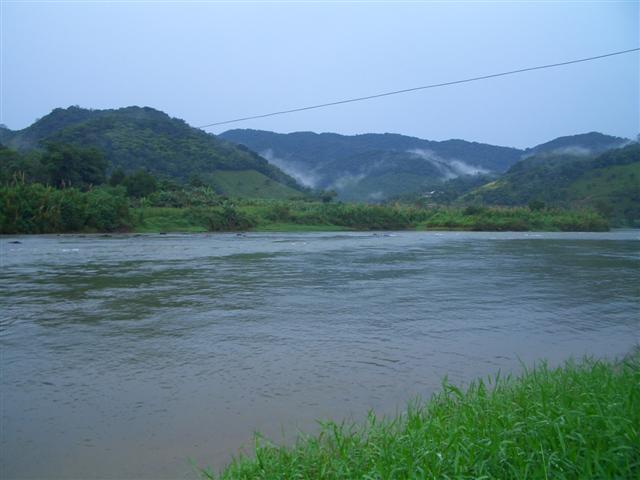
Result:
581,420
35,208
316,216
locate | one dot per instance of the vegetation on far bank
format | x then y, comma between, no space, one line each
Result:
316,216
581,420
66,189
34,208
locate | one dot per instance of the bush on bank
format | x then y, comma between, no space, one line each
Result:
35,208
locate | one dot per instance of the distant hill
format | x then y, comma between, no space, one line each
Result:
609,182
143,138
373,166
368,167
591,143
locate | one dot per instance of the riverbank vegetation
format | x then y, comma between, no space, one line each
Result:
301,216
35,208
66,188
577,421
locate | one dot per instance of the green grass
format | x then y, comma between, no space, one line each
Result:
577,421
250,184
164,219
615,190
514,219
286,216
388,185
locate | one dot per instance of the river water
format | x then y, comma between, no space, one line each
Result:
134,356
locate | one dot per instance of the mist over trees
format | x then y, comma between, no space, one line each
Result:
87,170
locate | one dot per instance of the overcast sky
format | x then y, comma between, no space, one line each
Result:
212,61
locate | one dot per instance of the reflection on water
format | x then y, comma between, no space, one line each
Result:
126,356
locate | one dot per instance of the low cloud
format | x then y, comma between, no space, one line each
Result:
572,150
448,168
465,169
346,180
376,196
302,175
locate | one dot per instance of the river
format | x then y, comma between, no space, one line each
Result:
132,356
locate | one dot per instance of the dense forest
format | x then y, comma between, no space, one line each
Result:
135,138
609,183
379,167
372,167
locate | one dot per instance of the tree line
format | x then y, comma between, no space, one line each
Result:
66,188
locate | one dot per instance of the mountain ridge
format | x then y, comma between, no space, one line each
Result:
372,167
608,181
368,167
134,138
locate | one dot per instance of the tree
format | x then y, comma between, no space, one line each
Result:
71,166
140,184
21,166
328,195
117,177
536,205
196,181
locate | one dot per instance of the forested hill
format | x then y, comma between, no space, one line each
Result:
609,182
373,167
314,149
591,143
135,138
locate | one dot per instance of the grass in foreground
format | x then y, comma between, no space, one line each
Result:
578,421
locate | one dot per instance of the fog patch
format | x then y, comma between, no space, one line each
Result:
346,181
448,168
573,150
376,196
305,177
465,169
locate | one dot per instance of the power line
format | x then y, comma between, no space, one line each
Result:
406,90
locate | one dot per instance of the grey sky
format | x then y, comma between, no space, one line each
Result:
211,61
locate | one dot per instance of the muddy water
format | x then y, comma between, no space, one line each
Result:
131,356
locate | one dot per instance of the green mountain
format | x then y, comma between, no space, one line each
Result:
135,138
374,167
609,182
591,143
369,167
